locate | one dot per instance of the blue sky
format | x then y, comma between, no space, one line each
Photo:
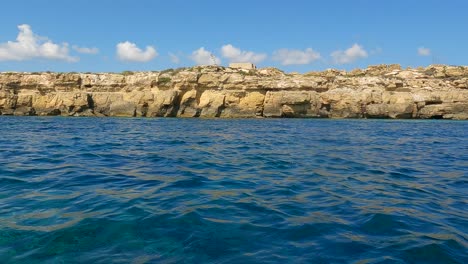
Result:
112,36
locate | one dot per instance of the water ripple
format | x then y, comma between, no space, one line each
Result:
228,191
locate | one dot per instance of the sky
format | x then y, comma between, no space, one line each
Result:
293,35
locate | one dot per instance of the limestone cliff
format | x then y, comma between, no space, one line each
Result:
384,91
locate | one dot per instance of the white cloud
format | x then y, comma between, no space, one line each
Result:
350,55
174,58
422,51
234,54
85,50
127,51
31,46
204,57
296,57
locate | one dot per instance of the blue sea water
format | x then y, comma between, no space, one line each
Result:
121,190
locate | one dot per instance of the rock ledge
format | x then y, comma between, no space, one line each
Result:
382,91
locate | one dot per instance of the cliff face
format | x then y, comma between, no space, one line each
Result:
384,91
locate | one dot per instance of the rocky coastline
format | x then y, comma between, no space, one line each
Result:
382,91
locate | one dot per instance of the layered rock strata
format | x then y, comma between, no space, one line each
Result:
384,91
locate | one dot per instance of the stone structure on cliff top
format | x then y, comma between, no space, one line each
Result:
384,91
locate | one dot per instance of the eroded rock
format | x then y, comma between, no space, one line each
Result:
382,91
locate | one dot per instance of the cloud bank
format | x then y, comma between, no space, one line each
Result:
31,46
128,51
350,55
204,57
234,54
295,57
85,50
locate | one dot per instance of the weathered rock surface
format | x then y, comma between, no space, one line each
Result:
383,91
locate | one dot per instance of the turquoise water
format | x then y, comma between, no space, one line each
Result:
112,190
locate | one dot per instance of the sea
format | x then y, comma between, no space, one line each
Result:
173,190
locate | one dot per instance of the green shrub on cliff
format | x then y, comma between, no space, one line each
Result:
174,71
167,71
126,73
164,80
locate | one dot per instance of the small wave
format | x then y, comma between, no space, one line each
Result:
383,224
431,253
193,182
11,180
